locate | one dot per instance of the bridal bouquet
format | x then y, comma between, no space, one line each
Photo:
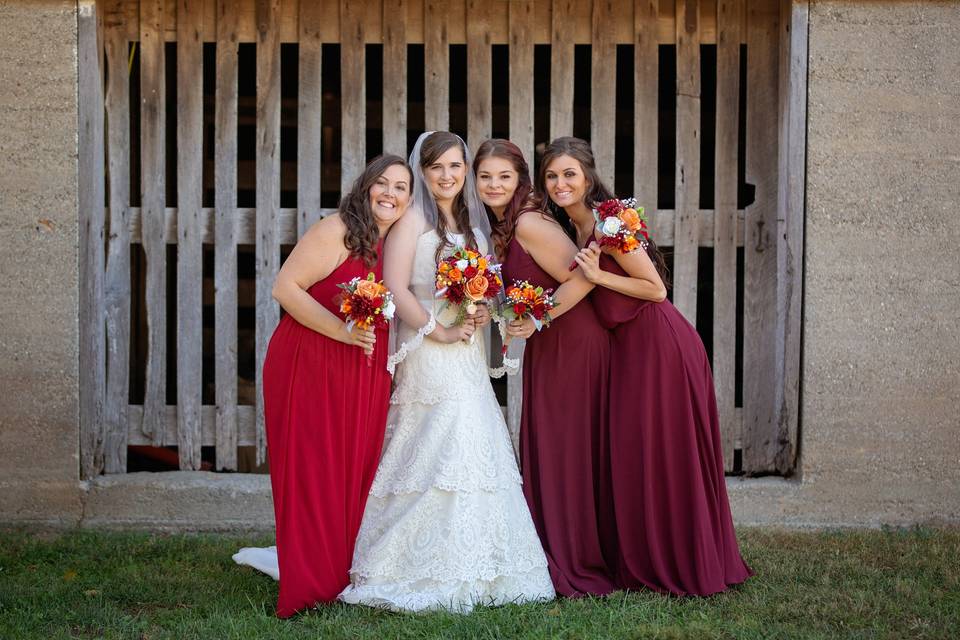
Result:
466,278
524,299
622,225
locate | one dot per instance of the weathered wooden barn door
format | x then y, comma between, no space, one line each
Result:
214,132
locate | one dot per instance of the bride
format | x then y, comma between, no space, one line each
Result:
446,525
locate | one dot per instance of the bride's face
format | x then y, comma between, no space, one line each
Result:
565,181
497,181
446,174
390,194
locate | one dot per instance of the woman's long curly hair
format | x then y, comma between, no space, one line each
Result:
435,145
523,200
362,233
596,192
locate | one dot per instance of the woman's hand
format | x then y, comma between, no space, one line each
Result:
449,335
588,260
363,338
521,328
481,318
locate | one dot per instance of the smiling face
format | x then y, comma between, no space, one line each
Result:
445,175
565,181
497,181
390,194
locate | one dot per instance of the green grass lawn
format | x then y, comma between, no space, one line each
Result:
850,584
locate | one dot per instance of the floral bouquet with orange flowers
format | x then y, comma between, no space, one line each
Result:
622,225
524,299
466,278
366,303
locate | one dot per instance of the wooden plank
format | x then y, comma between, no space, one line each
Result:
479,79
521,77
646,74
225,239
561,68
92,202
436,52
686,233
117,276
246,425
395,77
353,92
603,79
189,228
153,190
760,442
794,17
309,122
729,26
268,191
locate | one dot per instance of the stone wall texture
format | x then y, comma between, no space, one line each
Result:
880,421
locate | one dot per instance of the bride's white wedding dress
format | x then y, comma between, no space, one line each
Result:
446,524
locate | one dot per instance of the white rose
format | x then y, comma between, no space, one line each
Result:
462,265
611,226
388,310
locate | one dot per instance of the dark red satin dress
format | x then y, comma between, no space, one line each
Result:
564,411
672,529
326,411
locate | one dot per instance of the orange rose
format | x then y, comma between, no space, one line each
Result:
368,289
631,218
476,287
454,275
481,263
630,243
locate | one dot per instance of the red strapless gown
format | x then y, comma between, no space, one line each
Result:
564,413
672,525
326,411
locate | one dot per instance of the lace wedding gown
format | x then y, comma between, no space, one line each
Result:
446,524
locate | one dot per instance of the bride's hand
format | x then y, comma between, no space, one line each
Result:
521,328
450,335
481,318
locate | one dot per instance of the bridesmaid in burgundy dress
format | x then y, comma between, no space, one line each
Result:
325,401
564,375
670,528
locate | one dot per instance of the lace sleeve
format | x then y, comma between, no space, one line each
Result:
509,366
410,345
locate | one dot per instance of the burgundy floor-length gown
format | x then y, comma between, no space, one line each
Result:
326,406
564,411
671,528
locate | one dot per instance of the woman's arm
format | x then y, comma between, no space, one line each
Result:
316,255
642,280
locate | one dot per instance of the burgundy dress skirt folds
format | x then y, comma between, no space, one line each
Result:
672,525
326,408
564,411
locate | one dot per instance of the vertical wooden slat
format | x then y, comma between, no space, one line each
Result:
729,24
436,52
117,277
353,91
521,76
225,240
189,229
793,118
603,90
395,77
760,244
479,83
153,190
309,123
561,68
686,237
646,74
92,357
268,190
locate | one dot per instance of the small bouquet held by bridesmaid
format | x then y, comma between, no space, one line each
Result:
366,303
466,278
524,299
622,225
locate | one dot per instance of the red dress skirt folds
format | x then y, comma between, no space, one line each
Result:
326,410
672,526
564,412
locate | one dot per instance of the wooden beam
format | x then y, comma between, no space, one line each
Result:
603,80
395,77
353,92
561,68
309,116
479,73
521,77
646,74
436,51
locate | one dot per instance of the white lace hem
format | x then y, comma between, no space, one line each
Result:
413,343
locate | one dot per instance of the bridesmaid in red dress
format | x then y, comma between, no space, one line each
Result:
564,375
670,527
325,401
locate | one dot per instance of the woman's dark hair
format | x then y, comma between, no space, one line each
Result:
502,231
362,232
435,145
596,191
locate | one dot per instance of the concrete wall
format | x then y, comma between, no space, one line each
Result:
880,438
38,262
